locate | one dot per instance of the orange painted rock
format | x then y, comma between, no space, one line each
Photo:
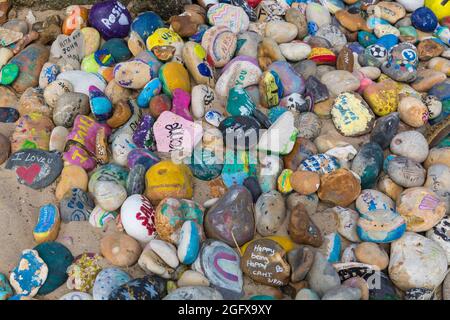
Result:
77,18
305,182
339,187
32,132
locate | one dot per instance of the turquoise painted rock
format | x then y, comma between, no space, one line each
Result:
146,288
118,48
204,164
189,242
29,275
276,112
380,226
231,219
5,289
239,102
108,172
240,132
101,106
332,247
146,23
238,166
368,163
108,280
366,38
320,163
58,258
150,90
9,74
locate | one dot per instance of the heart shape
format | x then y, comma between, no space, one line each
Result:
28,174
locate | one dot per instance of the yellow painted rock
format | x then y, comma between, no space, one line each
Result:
382,97
72,176
285,242
284,181
168,180
163,37
47,226
174,75
440,8
32,132
91,39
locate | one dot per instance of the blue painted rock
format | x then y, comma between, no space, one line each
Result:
9,115
143,135
387,41
189,242
108,280
204,164
48,74
238,166
240,132
380,226
47,226
143,157
275,112
108,172
332,247
292,82
239,102
146,23
368,163
366,38
221,265
424,19
270,213
231,219
30,61
118,49
35,168
101,106
405,51
406,172
57,258
146,288
252,184
111,18
280,138
29,275
320,163
5,289
136,180
371,200
150,90
271,89
194,293
303,148
441,91
385,129
138,218
76,205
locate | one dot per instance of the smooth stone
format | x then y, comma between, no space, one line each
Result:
136,180
440,234
331,247
399,70
270,213
368,163
236,205
233,17
68,106
305,182
302,229
35,168
320,163
32,131
406,172
109,172
118,48
111,18
133,74
317,14
150,90
373,254
107,280
170,215
195,56
29,275
274,271
322,277
138,218
340,81
300,260
347,220
309,126
160,103
159,258
194,293
344,154
441,90
352,21
71,177
303,149
393,226
99,218
389,187
340,187
291,81
385,129
167,179
271,89
109,195
58,139
189,243
382,97
8,115
334,35
421,208
417,262
281,31
438,155
372,200
76,205
286,134
438,181
317,90
427,78
192,278
121,146
424,19
239,102
247,44
410,144
120,250
203,98
298,18
81,81
48,224
439,64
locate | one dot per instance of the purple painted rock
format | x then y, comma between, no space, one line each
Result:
9,115
30,61
143,157
143,136
111,18
291,80
180,103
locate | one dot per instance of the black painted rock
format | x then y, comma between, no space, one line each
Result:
263,120
9,115
385,129
146,288
368,163
136,180
252,184
232,215
317,89
36,168
76,205
240,132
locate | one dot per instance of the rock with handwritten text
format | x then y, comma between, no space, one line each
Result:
138,218
111,18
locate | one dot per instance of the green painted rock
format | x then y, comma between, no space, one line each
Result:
239,102
9,73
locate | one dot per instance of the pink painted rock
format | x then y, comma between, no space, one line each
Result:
82,142
180,104
175,133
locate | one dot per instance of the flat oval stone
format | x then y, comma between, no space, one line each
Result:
30,274
220,43
264,261
83,271
351,115
421,208
133,74
57,258
68,106
48,223
138,218
232,17
170,82
302,229
320,163
76,205
410,144
368,163
108,172
417,262
406,172
120,249
371,200
438,179
339,187
109,195
270,213
381,226
322,277
34,168
108,280
111,18
221,265
231,219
